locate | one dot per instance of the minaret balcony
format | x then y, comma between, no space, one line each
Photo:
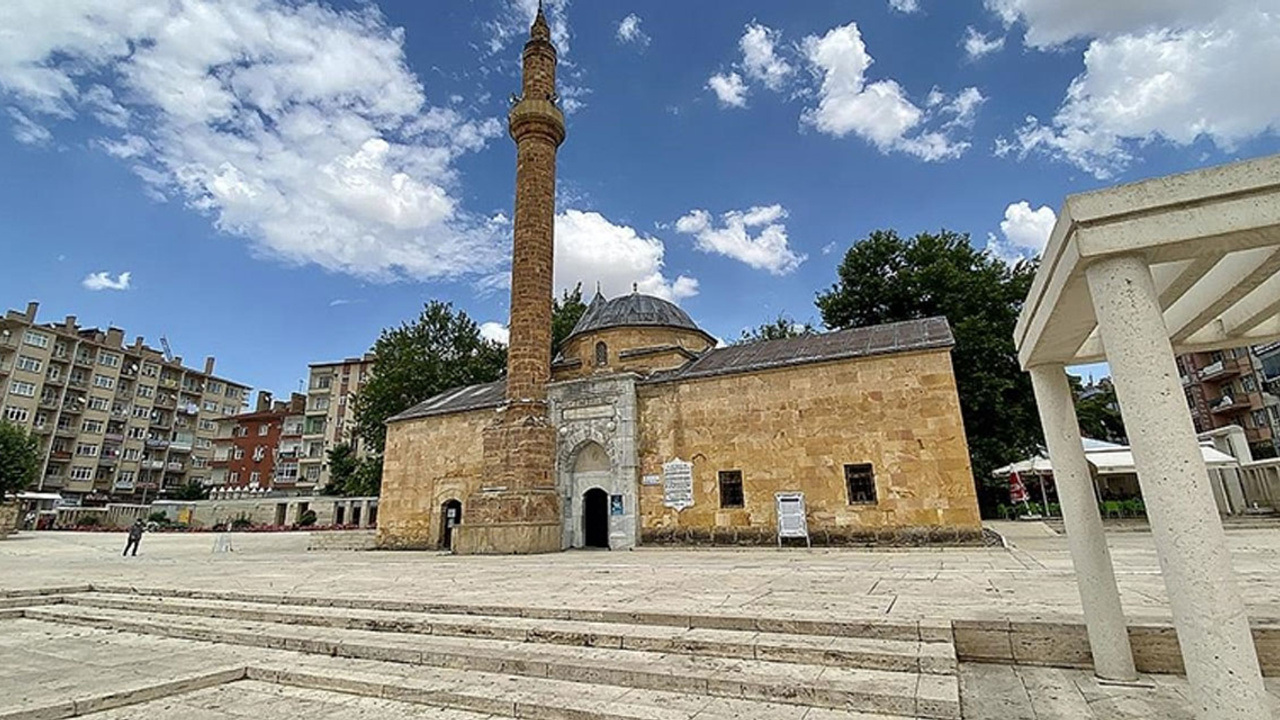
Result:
532,115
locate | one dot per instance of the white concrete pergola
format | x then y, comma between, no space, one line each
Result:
1132,275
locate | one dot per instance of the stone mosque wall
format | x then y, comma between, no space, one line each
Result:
794,429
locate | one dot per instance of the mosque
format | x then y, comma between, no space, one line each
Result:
641,431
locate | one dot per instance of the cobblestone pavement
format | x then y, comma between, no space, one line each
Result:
1033,579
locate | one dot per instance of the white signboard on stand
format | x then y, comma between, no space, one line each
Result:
677,484
791,517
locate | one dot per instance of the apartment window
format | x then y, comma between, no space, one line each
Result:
233,392
42,419
124,476
91,426
22,389
254,477
150,369
1259,418
146,391
86,449
320,403
35,339
137,433
140,411
259,453
28,364
322,382
264,428
54,373
210,406
313,473
16,414
132,453
208,425
228,410
108,359
860,482
1248,383
239,453
97,402
199,462
731,489
204,443
214,387
81,473
235,477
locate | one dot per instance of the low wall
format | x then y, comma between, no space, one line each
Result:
8,518
1065,644
271,511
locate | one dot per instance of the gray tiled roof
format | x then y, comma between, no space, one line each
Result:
632,310
453,400
905,336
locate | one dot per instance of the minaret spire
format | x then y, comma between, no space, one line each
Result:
518,510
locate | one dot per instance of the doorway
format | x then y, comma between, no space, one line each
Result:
595,518
450,517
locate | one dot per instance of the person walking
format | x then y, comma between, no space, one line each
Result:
135,536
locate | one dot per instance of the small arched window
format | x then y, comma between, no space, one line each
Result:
602,354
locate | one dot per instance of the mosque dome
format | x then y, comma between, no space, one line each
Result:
634,310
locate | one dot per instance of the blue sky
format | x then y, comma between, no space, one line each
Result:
281,180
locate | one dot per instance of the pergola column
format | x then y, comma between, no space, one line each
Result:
1208,612
1095,578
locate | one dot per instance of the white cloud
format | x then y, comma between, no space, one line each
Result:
879,112
767,250
1026,232
729,89
103,281
294,125
1174,71
905,6
830,248
977,44
629,31
759,60
516,16
591,249
28,131
495,332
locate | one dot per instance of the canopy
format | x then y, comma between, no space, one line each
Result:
1107,459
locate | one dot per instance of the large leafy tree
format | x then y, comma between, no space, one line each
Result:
19,459
885,278
783,326
565,313
1098,411
442,349
352,476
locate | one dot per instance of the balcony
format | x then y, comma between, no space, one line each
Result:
289,454
175,467
122,485
53,480
107,460
72,408
162,423
165,401
169,383
84,486
84,361
153,444
152,465
78,383
188,409
1221,370
60,455
114,437
1228,405
180,446
49,403
129,371
65,431
43,429
56,380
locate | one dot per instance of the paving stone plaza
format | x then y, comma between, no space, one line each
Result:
658,633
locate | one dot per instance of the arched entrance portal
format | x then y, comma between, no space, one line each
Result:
450,517
595,518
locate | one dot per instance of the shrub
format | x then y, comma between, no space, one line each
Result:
241,523
158,517
308,519
88,521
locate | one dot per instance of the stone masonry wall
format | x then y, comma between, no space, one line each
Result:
583,348
794,429
427,462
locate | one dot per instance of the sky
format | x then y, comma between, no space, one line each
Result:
273,183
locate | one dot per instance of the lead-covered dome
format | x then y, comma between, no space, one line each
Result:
631,311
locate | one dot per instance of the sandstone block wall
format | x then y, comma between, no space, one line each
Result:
428,462
583,348
794,429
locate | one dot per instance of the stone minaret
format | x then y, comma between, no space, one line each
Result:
517,509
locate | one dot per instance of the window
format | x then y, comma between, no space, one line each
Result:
1248,384
140,411
16,414
146,391
602,354
860,481
259,453
91,426
108,359
320,403
731,489
228,410
239,454
313,473
254,477
1260,418
132,453
233,392
124,477
150,369
210,406
214,387
81,473
235,477
28,364
263,429
42,419
22,389
35,339
321,382
86,449
137,433
97,402
240,431
199,462
204,443
208,425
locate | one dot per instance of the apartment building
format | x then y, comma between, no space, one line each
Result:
330,414
115,421
259,450
1229,387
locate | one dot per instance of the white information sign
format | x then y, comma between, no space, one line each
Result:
651,480
791,517
677,481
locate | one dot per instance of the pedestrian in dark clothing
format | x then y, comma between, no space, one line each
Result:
135,536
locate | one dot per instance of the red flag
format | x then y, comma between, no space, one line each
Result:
1017,491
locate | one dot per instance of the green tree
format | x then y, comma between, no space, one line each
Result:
565,313
784,326
1098,411
353,476
442,349
191,491
19,459
885,278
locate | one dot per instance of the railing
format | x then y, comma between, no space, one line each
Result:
1228,404
59,454
157,444
113,437
169,383
54,380
180,446
175,467
85,361
1220,369
152,464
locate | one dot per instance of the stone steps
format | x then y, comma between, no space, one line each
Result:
591,669
936,658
